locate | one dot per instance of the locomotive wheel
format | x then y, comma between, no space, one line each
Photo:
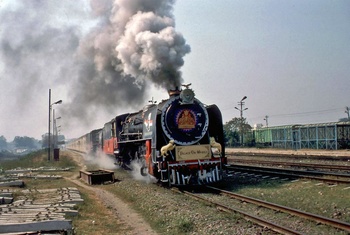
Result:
144,171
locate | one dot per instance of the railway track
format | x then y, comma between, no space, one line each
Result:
295,156
255,219
292,173
329,167
317,219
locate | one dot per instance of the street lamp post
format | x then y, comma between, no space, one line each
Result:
49,137
241,103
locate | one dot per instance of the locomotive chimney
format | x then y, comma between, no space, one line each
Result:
174,92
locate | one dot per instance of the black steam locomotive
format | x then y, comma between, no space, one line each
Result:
179,141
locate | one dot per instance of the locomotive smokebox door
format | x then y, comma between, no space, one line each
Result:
184,119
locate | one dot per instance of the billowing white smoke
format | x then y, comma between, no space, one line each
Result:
138,39
101,160
151,48
136,173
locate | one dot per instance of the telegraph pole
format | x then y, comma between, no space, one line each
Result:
49,137
241,103
267,121
49,127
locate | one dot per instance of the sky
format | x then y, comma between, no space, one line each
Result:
103,58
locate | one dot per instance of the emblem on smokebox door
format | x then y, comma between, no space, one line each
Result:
186,124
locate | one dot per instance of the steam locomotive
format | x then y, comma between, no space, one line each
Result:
179,141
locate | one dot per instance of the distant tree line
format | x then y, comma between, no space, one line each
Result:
25,142
19,142
3,142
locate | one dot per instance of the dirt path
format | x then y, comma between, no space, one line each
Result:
118,208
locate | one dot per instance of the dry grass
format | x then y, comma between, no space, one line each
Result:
311,196
173,214
331,201
170,213
37,159
94,218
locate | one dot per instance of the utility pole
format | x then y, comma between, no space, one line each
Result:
49,126
267,121
241,104
49,137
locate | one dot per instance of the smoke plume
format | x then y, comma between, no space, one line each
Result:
103,54
134,44
101,160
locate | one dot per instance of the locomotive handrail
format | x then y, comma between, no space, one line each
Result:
132,134
128,141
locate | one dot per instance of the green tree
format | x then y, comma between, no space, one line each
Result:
3,142
24,142
235,129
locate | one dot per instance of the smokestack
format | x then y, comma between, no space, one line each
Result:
175,92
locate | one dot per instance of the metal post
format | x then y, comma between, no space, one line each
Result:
267,121
347,111
241,103
53,129
49,137
241,123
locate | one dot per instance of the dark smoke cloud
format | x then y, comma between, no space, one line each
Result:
104,55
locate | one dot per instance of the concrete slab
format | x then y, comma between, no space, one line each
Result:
60,225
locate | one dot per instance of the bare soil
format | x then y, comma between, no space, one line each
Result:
122,212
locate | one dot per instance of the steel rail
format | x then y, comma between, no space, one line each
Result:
289,173
295,155
249,217
312,165
292,170
320,219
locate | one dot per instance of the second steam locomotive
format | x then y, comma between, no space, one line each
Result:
180,141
